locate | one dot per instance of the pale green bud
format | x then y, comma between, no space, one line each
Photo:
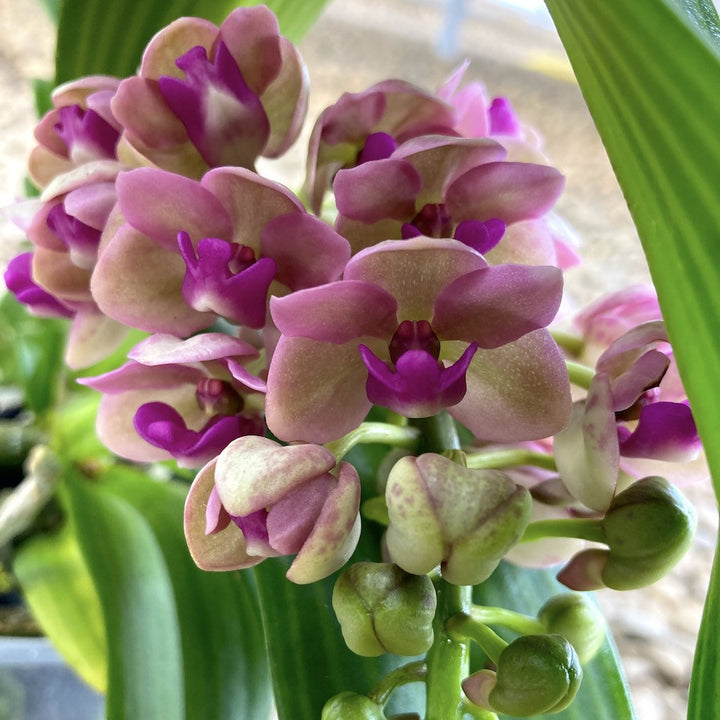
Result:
462,519
578,619
351,706
382,609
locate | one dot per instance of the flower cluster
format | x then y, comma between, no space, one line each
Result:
273,334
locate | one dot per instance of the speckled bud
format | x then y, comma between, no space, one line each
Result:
578,619
381,609
442,513
351,706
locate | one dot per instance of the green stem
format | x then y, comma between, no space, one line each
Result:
581,528
478,713
448,660
375,432
580,375
568,341
404,675
497,459
519,622
464,625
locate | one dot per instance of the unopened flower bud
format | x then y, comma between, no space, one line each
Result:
648,528
536,674
351,706
578,619
443,513
381,609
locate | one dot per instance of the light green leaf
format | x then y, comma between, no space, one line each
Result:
223,645
650,72
58,588
145,676
603,694
97,36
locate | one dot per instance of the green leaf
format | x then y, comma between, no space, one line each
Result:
31,353
650,72
223,646
145,677
603,694
59,590
97,36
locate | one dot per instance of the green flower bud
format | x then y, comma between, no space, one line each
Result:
578,619
535,674
443,513
351,706
381,609
648,528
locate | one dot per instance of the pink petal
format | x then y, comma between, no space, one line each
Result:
91,204
160,204
139,283
223,550
377,190
336,532
519,391
414,271
336,313
496,305
250,200
316,390
254,472
506,190
93,337
306,250
164,349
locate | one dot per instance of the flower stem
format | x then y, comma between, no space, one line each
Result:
519,622
405,674
580,375
497,459
448,660
375,432
464,625
568,341
581,528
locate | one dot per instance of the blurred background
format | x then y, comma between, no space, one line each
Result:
515,52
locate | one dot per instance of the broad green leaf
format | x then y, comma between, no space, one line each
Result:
97,36
145,676
31,353
603,694
59,590
650,72
223,645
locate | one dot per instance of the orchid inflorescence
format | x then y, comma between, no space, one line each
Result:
278,340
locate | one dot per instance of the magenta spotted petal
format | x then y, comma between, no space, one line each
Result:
419,386
163,426
211,285
224,119
665,431
18,279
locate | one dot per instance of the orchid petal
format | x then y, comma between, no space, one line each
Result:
160,204
517,392
414,271
253,472
315,390
222,550
164,349
377,189
587,452
509,191
496,305
336,313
